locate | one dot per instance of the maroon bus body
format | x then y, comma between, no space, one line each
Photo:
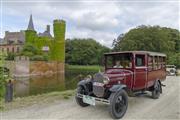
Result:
138,78
126,73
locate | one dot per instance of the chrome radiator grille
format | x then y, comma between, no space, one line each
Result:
98,91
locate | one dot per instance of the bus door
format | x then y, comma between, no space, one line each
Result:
140,72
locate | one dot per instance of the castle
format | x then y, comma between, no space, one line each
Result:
46,33
13,42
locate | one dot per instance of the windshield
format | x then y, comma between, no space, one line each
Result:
170,66
123,60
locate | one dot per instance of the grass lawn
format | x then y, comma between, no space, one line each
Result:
85,67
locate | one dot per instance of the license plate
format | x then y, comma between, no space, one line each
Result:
88,99
98,84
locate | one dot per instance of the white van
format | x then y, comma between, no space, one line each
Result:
171,69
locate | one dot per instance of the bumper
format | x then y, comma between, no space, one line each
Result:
100,100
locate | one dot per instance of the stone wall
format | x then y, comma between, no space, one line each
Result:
45,68
34,68
22,66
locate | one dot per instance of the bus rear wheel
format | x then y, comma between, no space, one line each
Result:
156,91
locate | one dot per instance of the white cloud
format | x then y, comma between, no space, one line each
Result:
103,20
105,38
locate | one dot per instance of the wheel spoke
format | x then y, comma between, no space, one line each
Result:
120,104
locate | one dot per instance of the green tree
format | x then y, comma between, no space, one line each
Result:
2,78
34,53
151,38
84,51
30,50
30,36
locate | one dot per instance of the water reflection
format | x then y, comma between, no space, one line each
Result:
24,86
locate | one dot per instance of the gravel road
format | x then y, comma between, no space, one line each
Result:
141,107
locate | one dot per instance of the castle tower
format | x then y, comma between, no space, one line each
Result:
30,25
59,30
59,40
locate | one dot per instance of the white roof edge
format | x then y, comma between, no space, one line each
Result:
147,52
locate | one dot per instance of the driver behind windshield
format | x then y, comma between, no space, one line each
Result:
118,65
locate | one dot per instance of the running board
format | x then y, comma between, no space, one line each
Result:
101,100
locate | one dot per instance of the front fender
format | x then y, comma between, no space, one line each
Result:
116,88
83,83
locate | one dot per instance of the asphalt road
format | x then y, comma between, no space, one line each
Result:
141,107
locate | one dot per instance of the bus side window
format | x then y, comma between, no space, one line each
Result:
150,63
155,62
163,62
140,60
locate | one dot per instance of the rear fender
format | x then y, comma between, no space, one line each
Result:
116,88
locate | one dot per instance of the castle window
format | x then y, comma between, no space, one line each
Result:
7,49
18,49
13,49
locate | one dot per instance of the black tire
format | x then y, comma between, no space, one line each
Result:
172,71
118,104
156,91
79,100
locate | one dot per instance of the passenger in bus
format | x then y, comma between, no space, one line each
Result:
128,64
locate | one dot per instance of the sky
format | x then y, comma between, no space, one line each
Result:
102,20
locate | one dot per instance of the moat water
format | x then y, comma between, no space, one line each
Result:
25,86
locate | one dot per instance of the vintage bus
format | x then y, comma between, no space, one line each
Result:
126,73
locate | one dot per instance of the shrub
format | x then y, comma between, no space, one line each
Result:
38,58
10,56
2,78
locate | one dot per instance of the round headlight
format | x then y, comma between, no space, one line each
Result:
88,78
106,80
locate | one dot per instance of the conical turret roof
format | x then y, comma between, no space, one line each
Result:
30,25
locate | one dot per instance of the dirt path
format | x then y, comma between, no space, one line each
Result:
142,107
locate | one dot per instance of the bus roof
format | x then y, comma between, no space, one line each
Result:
138,52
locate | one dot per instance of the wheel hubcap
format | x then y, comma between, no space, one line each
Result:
157,89
120,104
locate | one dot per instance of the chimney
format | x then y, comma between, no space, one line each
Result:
6,32
48,28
